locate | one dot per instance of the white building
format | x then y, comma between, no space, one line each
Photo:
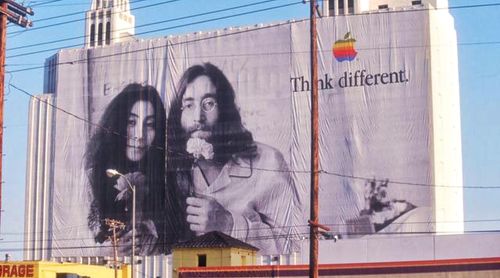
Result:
110,25
108,22
349,7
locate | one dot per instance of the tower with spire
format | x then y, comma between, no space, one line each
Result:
108,22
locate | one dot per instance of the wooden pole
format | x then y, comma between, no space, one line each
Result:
17,16
313,238
113,225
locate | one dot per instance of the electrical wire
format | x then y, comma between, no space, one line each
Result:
148,24
325,172
59,16
296,227
263,169
212,37
472,6
296,237
41,3
395,11
172,27
82,19
78,117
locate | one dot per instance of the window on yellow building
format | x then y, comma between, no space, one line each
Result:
202,260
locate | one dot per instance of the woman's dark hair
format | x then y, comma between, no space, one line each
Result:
107,150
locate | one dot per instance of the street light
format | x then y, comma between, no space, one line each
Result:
113,173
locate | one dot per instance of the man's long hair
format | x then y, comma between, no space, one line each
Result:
229,138
107,150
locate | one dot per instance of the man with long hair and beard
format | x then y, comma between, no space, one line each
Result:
227,181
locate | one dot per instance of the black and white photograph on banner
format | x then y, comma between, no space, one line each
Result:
129,141
229,181
214,134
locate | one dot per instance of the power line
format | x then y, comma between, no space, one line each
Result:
295,237
76,116
70,14
171,27
264,169
211,37
235,55
406,183
359,14
487,5
41,3
74,4
250,229
82,19
149,24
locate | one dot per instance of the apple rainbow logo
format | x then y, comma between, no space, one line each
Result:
343,50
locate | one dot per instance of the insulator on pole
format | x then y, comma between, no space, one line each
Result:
18,8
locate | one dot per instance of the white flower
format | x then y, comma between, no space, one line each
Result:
135,178
200,148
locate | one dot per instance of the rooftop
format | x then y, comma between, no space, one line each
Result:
215,239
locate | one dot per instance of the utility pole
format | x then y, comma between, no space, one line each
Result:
113,225
314,224
15,13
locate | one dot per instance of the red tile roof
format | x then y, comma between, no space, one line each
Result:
215,239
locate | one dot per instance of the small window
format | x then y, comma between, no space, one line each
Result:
382,7
92,34
331,6
350,6
415,3
341,7
108,33
202,260
99,34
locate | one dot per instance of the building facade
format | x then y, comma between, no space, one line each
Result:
401,79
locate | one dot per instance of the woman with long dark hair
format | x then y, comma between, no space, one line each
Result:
130,138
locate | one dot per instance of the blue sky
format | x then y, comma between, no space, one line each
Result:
479,56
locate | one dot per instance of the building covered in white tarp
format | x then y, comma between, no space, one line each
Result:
390,145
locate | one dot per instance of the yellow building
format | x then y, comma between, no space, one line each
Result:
452,268
213,249
40,269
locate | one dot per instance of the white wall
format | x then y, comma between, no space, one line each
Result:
446,131
405,248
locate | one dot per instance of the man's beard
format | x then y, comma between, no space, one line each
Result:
201,134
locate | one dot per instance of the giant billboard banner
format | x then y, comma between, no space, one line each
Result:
212,130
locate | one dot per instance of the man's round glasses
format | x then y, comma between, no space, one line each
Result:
207,105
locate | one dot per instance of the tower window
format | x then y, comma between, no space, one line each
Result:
99,34
92,35
202,260
350,6
108,33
